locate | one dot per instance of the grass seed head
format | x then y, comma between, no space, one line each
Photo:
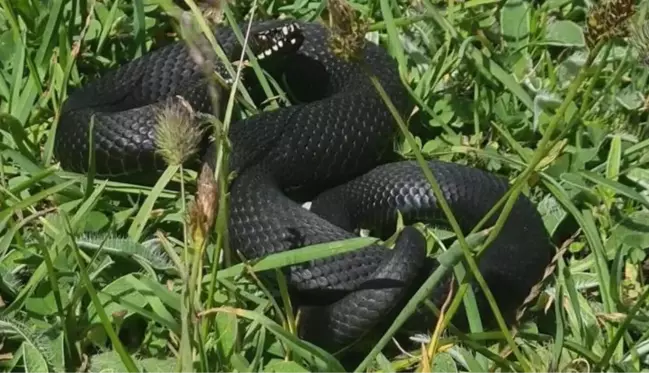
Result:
348,30
212,10
178,132
202,212
608,20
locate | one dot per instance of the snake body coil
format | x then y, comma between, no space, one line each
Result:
332,147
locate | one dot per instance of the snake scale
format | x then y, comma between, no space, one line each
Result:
334,147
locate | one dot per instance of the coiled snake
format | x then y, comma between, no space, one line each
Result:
333,147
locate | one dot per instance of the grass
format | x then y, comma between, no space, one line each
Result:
100,275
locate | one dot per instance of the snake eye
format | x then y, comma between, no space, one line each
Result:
284,39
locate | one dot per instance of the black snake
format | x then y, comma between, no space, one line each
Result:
333,147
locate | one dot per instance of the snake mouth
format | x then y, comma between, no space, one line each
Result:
282,40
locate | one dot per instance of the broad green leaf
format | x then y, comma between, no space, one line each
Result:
544,107
33,359
226,330
631,232
631,100
614,158
639,176
515,24
42,302
277,365
57,358
443,362
552,212
565,34
122,290
239,363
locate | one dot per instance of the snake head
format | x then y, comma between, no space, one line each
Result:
280,40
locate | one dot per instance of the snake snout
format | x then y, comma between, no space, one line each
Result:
279,40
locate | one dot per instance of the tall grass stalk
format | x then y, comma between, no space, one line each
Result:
221,131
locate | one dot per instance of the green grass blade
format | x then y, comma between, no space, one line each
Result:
297,256
139,27
34,199
125,357
447,260
139,222
323,361
615,186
